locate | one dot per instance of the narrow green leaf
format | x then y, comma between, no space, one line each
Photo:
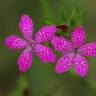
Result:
48,15
63,18
76,18
49,22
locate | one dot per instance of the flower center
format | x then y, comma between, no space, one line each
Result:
31,44
76,51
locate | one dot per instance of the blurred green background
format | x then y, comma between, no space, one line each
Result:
41,80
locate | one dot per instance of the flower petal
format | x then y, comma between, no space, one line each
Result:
61,44
78,37
15,42
64,63
45,33
25,60
45,53
26,26
88,49
80,65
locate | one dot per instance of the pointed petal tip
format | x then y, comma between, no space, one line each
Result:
59,70
24,16
23,69
52,59
80,27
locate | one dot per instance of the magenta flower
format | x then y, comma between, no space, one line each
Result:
32,43
74,52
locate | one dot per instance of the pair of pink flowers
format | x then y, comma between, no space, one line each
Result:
73,50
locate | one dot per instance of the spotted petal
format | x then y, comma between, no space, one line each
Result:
25,60
64,63
15,42
78,37
45,53
45,33
61,44
26,26
80,65
88,49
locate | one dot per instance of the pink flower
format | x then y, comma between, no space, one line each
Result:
32,43
74,52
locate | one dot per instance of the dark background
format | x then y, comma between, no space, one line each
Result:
41,80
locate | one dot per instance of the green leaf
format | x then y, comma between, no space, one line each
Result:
63,19
47,11
49,22
76,18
